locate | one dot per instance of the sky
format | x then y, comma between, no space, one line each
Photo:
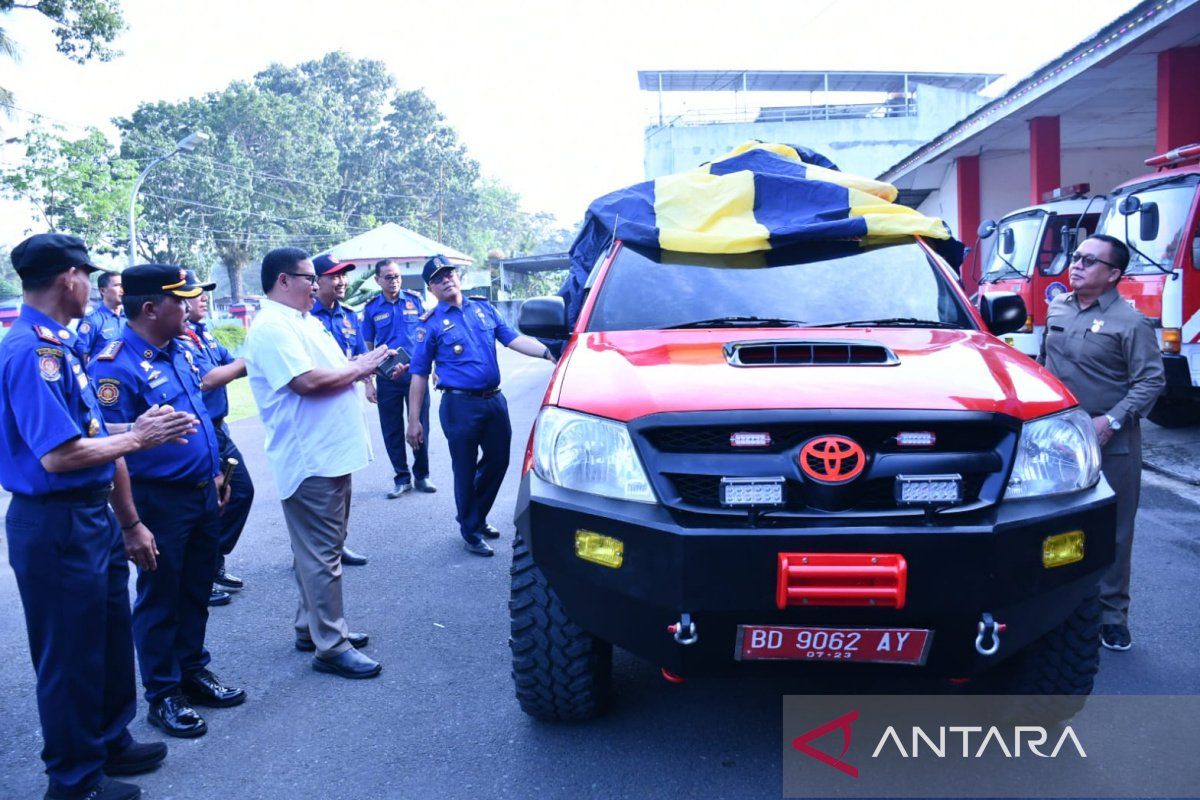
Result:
544,94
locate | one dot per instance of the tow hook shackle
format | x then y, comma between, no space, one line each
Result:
684,631
988,630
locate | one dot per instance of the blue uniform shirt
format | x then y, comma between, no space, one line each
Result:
463,343
45,401
131,375
207,352
394,324
343,323
96,329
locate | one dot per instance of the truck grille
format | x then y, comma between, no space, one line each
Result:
688,454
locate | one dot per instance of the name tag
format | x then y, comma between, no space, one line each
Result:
154,384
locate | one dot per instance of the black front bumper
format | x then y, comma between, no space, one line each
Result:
724,577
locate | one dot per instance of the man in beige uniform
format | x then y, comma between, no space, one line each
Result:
1107,355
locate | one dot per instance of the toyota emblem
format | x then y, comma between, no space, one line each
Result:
832,459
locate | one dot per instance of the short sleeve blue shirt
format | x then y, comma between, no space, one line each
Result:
131,375
208,352
343,323
97,329
393,323
463,343
46,400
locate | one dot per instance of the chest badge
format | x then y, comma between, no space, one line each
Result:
1097,324
458,348
93,426
479,313
409,304
445,323
148,354
108,392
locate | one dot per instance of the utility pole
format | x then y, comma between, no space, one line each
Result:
439,203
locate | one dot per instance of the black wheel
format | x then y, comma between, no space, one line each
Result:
1064,662
561,671
1175,413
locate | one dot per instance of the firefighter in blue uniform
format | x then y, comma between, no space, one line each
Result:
460,335
392,318
175,488
103,324
343,324
65,543
217,369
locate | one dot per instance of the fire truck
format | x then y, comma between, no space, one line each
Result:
1029,256
1158,216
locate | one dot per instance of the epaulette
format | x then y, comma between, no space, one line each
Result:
46,335
110,350
425,317
479,298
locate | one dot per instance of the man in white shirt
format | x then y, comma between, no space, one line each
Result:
301,380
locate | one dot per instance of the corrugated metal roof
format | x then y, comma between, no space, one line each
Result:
805,81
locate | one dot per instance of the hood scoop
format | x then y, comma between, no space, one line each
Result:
816,353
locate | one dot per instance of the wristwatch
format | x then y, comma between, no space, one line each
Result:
1113,422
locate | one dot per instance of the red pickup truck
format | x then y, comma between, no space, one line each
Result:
801,459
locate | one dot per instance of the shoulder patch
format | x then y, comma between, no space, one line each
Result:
420,334
110,350
49,367
50,351
425,317
46,335
84,327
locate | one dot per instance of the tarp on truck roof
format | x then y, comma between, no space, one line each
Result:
759,197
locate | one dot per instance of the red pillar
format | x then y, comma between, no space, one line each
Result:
968,213
1178,86
1044,157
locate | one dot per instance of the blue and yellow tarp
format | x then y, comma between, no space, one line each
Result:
759,197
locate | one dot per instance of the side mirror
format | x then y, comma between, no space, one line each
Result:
1148,222
986,228
1129,205
1066,239
1002,312
544,318
1008,242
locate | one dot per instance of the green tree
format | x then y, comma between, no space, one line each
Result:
78,186
84,28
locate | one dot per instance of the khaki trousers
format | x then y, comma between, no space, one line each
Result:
317,515
1121,463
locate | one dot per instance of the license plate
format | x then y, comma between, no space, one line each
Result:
752,491
790,643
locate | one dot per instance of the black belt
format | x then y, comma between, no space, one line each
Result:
95,496
217,423
470,392
178,485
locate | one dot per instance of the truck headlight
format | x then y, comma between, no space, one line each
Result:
588,454
1056,454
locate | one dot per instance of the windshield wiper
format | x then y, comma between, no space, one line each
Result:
737,322
997,274
890,322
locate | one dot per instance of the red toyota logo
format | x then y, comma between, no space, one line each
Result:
832,459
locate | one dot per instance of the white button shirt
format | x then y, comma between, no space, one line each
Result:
315,435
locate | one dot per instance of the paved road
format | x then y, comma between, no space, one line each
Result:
441,721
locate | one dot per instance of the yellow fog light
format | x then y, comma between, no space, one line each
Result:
599,549
1065,548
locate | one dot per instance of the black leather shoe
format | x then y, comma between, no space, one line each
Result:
351,558
227,581
205,689
304,642
136,758
219,598
423,485
174,717
489,532
350,664
479,548
106,789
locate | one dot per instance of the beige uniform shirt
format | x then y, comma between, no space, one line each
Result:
1106,354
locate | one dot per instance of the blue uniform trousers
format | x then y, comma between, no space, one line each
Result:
69,560
170,613
479,434
393,401
237,510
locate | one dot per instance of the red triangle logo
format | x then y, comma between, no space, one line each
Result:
842,723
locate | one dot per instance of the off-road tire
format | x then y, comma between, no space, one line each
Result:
561,672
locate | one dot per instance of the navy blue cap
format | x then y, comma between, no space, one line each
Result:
50,253
151,279
435,265
193,280
326,264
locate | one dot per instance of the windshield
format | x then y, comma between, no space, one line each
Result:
1025,230
816,285
1173,201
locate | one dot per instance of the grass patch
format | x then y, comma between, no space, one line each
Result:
241,401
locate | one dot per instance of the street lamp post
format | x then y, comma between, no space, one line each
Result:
185,145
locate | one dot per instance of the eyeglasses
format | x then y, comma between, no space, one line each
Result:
1088,260
389,278
444,278
308,276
